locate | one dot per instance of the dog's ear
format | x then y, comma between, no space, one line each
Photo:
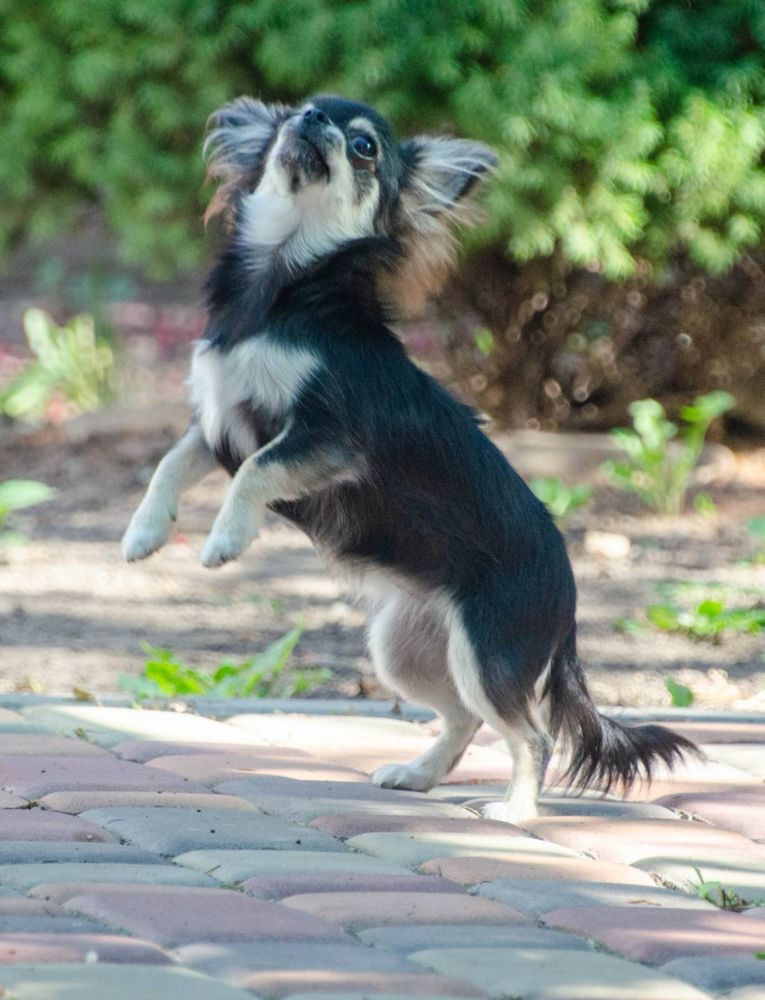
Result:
238,137
438,176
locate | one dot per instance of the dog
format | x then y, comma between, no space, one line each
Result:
302,392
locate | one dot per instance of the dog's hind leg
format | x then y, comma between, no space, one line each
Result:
408,645
522,725
185,464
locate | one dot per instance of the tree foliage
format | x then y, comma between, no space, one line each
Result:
628,129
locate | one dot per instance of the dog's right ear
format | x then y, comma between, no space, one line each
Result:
238,137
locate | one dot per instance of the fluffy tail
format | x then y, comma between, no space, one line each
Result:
603,752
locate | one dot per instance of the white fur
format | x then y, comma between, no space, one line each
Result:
311,222
257,372
188,462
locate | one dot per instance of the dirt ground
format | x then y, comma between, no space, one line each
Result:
73,615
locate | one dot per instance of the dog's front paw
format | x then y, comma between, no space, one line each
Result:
403,776
145,536
224,545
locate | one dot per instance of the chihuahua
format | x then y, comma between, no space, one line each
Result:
302,392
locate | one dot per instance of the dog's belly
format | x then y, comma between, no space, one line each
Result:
241,396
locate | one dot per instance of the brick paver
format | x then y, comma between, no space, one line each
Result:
255,855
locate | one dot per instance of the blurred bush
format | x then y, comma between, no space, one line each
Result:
628,129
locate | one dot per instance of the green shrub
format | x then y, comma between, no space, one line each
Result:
656,469
627,128
560,499
71,363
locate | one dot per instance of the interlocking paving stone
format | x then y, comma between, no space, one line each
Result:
46,745
408,939
472,871
417,848
657,935
283,967
109,726
37,824
742,873
747,757
145,750
10,801
277,887
354,910
562,805
386,995
80,802
375,984
236,866
627,841
18,852
19,915
551,974
173,916
718,973
214,769
27,876
317,733
90,980
537,897
345,826
172,831
721,732
742,811
93,947
34,777
256,786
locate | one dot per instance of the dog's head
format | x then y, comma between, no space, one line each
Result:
297,183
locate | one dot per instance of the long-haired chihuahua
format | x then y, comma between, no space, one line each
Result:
302,392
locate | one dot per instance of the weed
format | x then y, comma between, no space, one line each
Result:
17,494
72,366
699,611
681,695
561,500
716,893
657,469
261,676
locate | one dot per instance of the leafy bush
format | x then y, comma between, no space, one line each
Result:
655,470
17,494
627,128
561,500
71,363
261,676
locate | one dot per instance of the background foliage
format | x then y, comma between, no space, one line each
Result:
627,128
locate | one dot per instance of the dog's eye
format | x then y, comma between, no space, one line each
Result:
364,147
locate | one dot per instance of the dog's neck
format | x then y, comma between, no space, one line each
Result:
241,300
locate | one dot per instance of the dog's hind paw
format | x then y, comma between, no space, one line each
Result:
509,812
403,776
144,537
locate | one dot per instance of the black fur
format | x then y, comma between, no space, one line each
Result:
437,502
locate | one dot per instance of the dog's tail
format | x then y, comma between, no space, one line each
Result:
603,752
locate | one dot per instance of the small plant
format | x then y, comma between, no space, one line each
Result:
680,695
72,366
656,469
698,611
716,893
17,494
261,676
561,500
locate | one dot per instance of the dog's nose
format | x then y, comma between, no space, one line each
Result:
313,116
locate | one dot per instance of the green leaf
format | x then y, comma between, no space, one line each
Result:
17,494
681,695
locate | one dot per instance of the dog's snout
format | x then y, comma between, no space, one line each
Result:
314,116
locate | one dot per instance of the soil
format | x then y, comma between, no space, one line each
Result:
73,615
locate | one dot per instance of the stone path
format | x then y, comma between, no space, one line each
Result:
148,854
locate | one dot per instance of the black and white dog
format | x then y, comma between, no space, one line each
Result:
302,392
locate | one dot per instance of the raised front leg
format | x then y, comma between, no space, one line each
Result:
290,466
185,464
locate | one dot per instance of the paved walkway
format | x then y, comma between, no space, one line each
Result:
165,855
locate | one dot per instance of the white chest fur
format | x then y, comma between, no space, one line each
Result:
258,373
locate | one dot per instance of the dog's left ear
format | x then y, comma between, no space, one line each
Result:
438,175
238,137
440,172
